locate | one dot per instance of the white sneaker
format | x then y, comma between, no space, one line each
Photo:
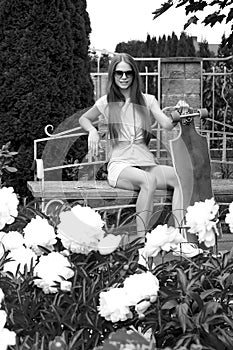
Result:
188,250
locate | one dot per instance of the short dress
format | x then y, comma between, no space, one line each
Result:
131,149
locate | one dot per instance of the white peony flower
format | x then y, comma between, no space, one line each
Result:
8,206
66,286
114,305
39,232
108,244
80,229
229,217
161,238
1,296
140,286
88,215
52,268
201,219
2,250
142,307
21,256
3,316
12,240
6,337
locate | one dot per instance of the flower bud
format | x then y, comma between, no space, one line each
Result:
153,298
141,316
57,344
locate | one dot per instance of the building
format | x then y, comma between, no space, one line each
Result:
212,47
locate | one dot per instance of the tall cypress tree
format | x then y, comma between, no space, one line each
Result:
191,51
182,46
161,45
154,47
174,43
44,71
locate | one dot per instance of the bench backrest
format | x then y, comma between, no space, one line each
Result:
56,146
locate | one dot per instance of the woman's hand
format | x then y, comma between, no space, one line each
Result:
182,106
93,142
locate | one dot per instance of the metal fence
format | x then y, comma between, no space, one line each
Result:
216,79
216,84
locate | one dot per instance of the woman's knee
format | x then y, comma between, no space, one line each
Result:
170,177
173,181
149,183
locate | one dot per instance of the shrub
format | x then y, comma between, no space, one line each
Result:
44,74
68,282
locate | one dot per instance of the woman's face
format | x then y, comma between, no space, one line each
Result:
123,75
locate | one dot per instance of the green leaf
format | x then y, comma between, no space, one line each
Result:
182,2
182,279
229,16
191,20
210,309
11,169
229,280
209,292
123,337
196,297
75,337
213,18
164,7
169,305
182,312
195,6
226,338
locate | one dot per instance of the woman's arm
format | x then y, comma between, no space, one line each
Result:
86,122
161,117
88,118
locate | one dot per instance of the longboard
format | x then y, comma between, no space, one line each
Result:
191,161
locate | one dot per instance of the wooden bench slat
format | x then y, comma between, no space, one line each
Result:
78,189
96,189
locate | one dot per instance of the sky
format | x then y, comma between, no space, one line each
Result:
114,21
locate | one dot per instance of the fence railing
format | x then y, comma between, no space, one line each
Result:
218,78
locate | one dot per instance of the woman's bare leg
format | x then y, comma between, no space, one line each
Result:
166,176
144,181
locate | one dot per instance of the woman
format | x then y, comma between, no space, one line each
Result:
128,113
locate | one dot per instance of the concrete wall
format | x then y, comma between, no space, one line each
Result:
181,80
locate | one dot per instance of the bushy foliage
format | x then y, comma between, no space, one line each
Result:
6,164
44,74
190,307
170,46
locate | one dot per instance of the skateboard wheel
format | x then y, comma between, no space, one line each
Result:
175,116
203,113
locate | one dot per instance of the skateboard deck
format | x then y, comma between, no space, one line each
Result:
191,161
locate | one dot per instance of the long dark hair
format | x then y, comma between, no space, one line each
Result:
114,97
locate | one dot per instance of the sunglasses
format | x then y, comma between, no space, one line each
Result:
119,73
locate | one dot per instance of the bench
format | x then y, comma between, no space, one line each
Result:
52,193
